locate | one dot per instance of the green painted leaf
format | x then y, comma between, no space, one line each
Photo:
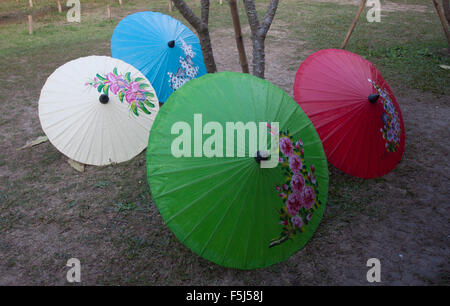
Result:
147,102
100,88
115,71
100,77
143,108
134,108
143,85
149,94
128,76
121,95
139,79
106,89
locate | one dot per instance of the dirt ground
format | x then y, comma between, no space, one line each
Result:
50,213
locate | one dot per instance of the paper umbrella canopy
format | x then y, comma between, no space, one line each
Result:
165,50
213,186
354,111
98,110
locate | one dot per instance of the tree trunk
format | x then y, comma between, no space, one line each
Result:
238,36
201,26
446,6
259,32
443,22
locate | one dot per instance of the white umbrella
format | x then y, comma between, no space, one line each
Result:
98,110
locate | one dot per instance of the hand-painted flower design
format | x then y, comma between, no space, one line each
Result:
295,163
298,183
135,92
294,203
300,199
308,197
115,83
286,146
391,123
187,70
297,221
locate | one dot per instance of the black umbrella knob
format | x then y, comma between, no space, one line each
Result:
261,156
103,99
373,98
171,43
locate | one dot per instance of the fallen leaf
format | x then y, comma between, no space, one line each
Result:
76,165
444,66
35,142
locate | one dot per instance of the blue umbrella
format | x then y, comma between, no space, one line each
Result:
161,47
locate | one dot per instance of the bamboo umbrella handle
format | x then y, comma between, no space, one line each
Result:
352,27
238,36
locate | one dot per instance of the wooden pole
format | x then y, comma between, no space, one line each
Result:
442,19
120,2
30,24
170,6
108,12
59,6
31,3
220,2
352,27
238,36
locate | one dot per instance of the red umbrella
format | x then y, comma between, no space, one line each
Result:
353,110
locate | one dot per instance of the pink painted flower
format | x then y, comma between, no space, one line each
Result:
282,195
281,160
134,93
297,183
284,222
293,203
300,142
286,146
297,146
278,188
313,168
308,217
302,152
295,163
297,221
95,84
285,187
116,83
308,197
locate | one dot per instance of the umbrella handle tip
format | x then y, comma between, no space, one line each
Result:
373,98
171,43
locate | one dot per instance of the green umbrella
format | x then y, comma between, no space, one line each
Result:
209,184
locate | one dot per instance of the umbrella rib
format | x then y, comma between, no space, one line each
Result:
76,131
351,143
303,127
326,91
178,170
189,205
356,112
198,180
223,217
213,207
332,109
233,232
333,119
